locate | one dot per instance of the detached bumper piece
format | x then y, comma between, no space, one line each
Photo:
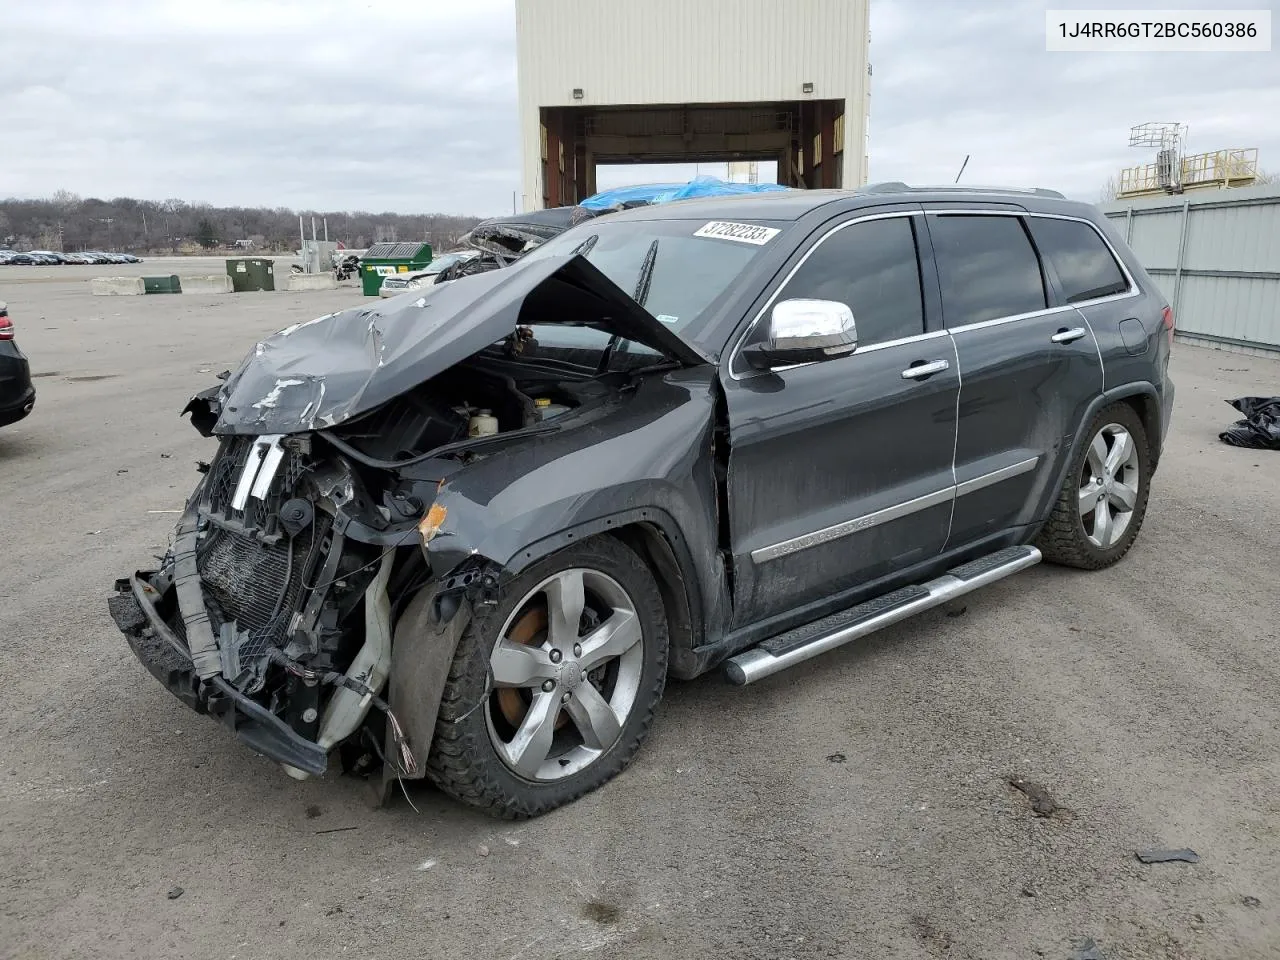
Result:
165,656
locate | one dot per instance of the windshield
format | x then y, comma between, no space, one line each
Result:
443,261
687,273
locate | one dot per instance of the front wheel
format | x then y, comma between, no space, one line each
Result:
552,693
1104,497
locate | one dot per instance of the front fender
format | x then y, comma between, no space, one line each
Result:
650,461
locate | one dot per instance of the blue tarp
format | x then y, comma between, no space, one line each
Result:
666,192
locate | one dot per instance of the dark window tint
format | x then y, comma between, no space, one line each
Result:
1085,267
987,266
872,268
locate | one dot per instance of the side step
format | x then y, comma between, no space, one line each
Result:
802,643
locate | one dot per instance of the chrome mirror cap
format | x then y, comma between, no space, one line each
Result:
804,331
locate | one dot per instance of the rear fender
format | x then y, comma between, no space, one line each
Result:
1152,422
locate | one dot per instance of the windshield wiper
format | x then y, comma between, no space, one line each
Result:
646,274
582,249
639,295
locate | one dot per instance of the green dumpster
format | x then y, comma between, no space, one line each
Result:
169,284
251,273
388,259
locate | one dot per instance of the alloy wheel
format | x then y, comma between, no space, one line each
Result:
566,672
1109,486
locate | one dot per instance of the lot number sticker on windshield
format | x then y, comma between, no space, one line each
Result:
741,232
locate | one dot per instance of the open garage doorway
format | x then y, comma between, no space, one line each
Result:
800,142
610,176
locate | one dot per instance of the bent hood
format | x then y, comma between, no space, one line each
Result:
320,373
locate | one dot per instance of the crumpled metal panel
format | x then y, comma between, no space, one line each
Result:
320,373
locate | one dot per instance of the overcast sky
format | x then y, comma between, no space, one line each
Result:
411,107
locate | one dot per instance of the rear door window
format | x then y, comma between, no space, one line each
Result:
987,267
1084,264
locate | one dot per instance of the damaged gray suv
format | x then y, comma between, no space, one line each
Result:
467,534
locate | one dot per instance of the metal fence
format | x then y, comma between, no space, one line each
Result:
1216,256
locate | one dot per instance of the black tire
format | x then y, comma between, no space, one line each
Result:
464,762
1064,538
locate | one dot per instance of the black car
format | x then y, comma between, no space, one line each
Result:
468,535
16,259
17,394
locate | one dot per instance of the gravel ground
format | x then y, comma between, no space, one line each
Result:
856,806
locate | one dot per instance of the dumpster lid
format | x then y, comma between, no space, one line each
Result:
403,250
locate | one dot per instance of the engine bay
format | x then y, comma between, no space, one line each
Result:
471,399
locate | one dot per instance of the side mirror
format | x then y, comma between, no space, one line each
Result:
803,331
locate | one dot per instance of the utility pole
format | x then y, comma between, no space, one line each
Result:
108,221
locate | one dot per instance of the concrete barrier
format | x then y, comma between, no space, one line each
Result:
117,286
210,283
312,281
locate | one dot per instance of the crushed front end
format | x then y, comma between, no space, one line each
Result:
270,610
307,536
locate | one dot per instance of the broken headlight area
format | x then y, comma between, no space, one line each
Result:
264,611
273,609
311,529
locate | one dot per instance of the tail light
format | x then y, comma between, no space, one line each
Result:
6,326
1167,317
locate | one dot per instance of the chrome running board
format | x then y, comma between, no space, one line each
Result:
803,643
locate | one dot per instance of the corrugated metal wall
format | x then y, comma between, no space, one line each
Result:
691,51
1216,256
688,51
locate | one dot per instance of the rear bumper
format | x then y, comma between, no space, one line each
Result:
164,655
15,410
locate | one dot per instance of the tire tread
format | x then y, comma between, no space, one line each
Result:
1062,539
461,762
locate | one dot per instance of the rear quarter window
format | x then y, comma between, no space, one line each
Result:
1084,264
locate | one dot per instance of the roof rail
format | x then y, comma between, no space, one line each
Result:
887,186
896,186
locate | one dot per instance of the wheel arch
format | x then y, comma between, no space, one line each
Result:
1143,398
1146,404
424,642
655,536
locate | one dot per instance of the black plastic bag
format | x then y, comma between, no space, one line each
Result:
1260,430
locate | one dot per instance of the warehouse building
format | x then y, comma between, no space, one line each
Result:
685,81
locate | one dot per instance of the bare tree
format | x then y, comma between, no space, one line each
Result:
1110,190
1267,176
146,225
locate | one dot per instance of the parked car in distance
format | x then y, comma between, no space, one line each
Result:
398,283
17,394
473,532
17,259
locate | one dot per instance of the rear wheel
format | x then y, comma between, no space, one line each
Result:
551,694
1104,497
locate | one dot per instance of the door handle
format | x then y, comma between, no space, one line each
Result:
1067,336
921,370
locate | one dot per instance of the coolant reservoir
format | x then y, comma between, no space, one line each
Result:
547,409
482,424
